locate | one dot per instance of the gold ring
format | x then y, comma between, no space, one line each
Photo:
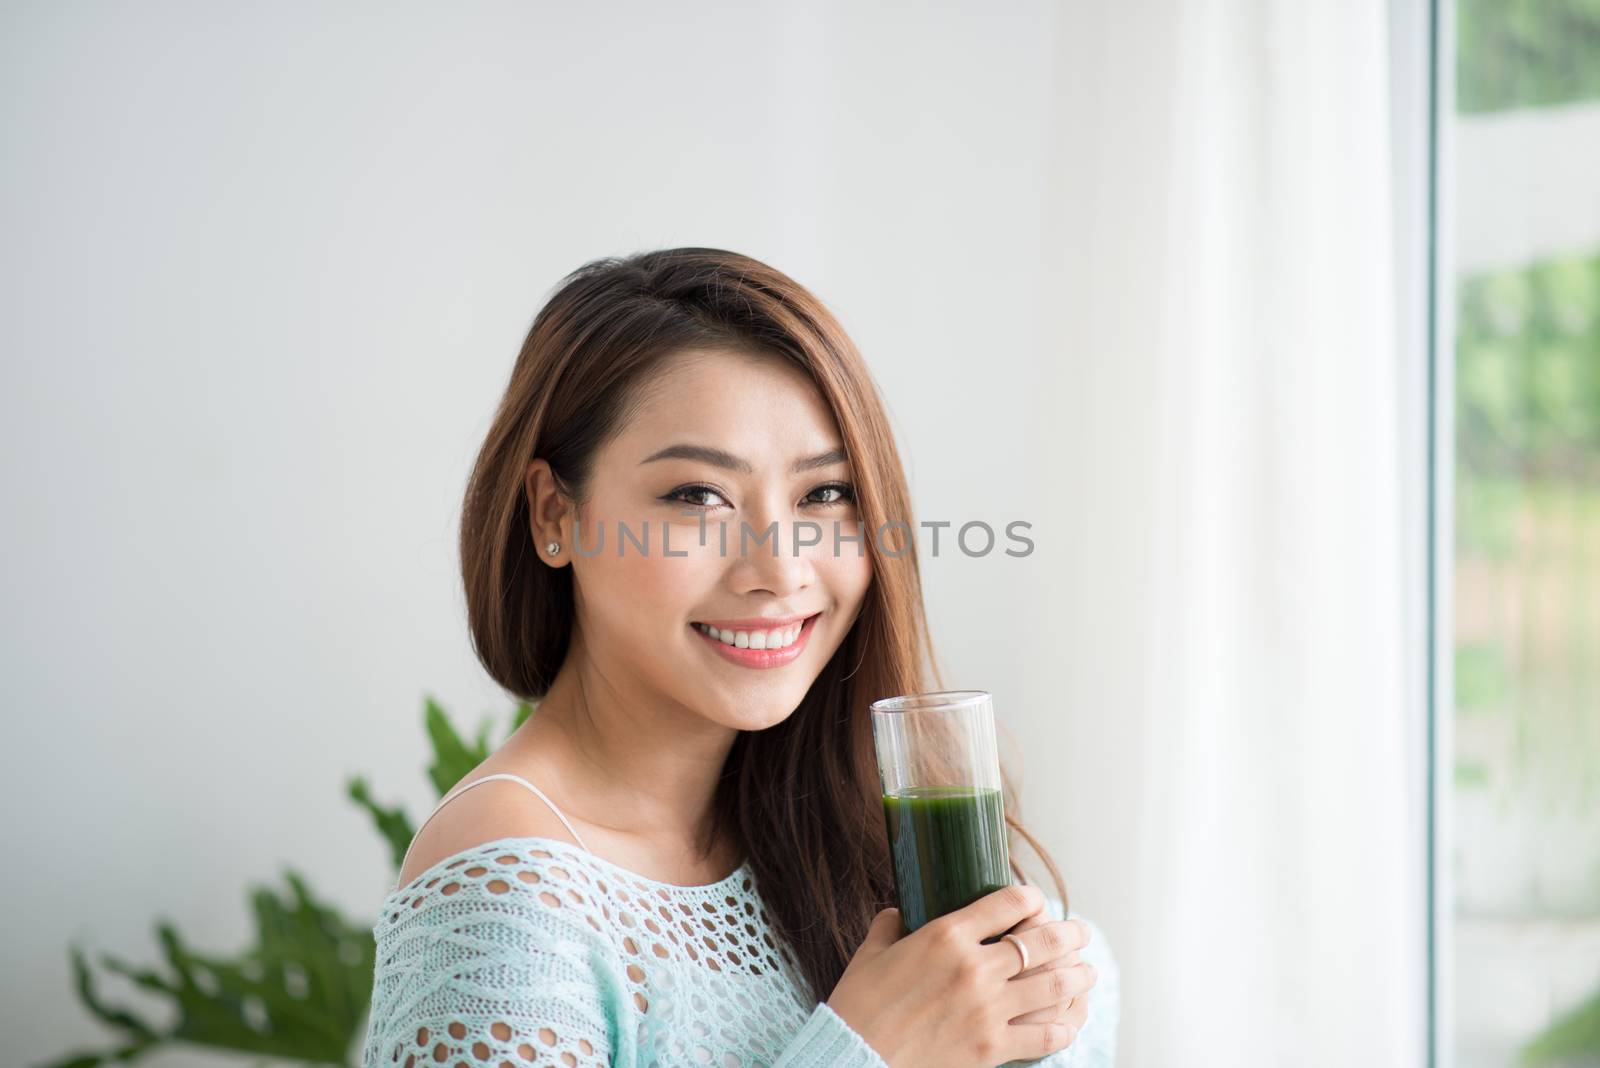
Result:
1014,940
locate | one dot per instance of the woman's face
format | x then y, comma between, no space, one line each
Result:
642,614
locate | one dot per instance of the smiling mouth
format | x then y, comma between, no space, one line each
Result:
775,639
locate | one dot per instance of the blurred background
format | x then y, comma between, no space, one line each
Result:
1522,288
1279,322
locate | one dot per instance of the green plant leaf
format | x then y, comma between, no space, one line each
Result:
1573,1037
452,758
143,1036
300,992
523,710
303,990
121,1019
392,823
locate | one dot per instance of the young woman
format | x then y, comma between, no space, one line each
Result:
680,857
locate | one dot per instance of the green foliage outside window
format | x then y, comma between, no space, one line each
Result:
1526,53
1527,537
1528,519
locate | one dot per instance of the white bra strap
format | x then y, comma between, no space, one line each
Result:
460,789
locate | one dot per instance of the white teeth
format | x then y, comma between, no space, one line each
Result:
758,639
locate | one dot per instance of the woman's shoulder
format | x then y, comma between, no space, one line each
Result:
520,894
488,812
499,856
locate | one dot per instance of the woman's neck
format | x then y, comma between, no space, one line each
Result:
637,768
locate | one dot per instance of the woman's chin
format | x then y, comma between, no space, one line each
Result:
751,715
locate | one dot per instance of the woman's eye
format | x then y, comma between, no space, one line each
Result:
839,493
688,491
843,490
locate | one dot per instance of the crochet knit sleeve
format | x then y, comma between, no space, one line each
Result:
483,965
505,957
498,960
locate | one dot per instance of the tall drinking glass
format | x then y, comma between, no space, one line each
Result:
942,805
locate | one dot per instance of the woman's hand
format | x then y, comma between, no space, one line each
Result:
1074,1008
941,998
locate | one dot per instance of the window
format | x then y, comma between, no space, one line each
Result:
1522,777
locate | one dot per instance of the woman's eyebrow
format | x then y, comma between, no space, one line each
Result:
721,458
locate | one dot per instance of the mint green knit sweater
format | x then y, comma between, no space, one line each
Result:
532,951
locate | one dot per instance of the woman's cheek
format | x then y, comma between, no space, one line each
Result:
847,577
660,587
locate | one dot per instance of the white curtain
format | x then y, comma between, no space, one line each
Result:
1228,426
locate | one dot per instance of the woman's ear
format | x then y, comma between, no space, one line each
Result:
549,513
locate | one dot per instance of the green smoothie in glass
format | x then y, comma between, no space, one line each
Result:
942,806
949,846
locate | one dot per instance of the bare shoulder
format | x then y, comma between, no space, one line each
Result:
493,810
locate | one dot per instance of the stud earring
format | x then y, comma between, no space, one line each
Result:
553,548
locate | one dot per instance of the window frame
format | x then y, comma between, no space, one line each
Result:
1422,89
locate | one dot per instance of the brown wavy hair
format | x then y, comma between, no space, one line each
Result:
801,798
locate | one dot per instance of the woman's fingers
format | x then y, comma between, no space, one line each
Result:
1078,1014
1060,962
1075,1009
1047,991
994,912
1040,1038
1046,943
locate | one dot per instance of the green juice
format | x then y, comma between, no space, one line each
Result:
950,848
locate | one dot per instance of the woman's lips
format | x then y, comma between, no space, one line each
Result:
760,658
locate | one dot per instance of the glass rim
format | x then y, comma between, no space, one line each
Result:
937,699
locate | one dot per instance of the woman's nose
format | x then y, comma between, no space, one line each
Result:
778,556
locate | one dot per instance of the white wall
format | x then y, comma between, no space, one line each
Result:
265,271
